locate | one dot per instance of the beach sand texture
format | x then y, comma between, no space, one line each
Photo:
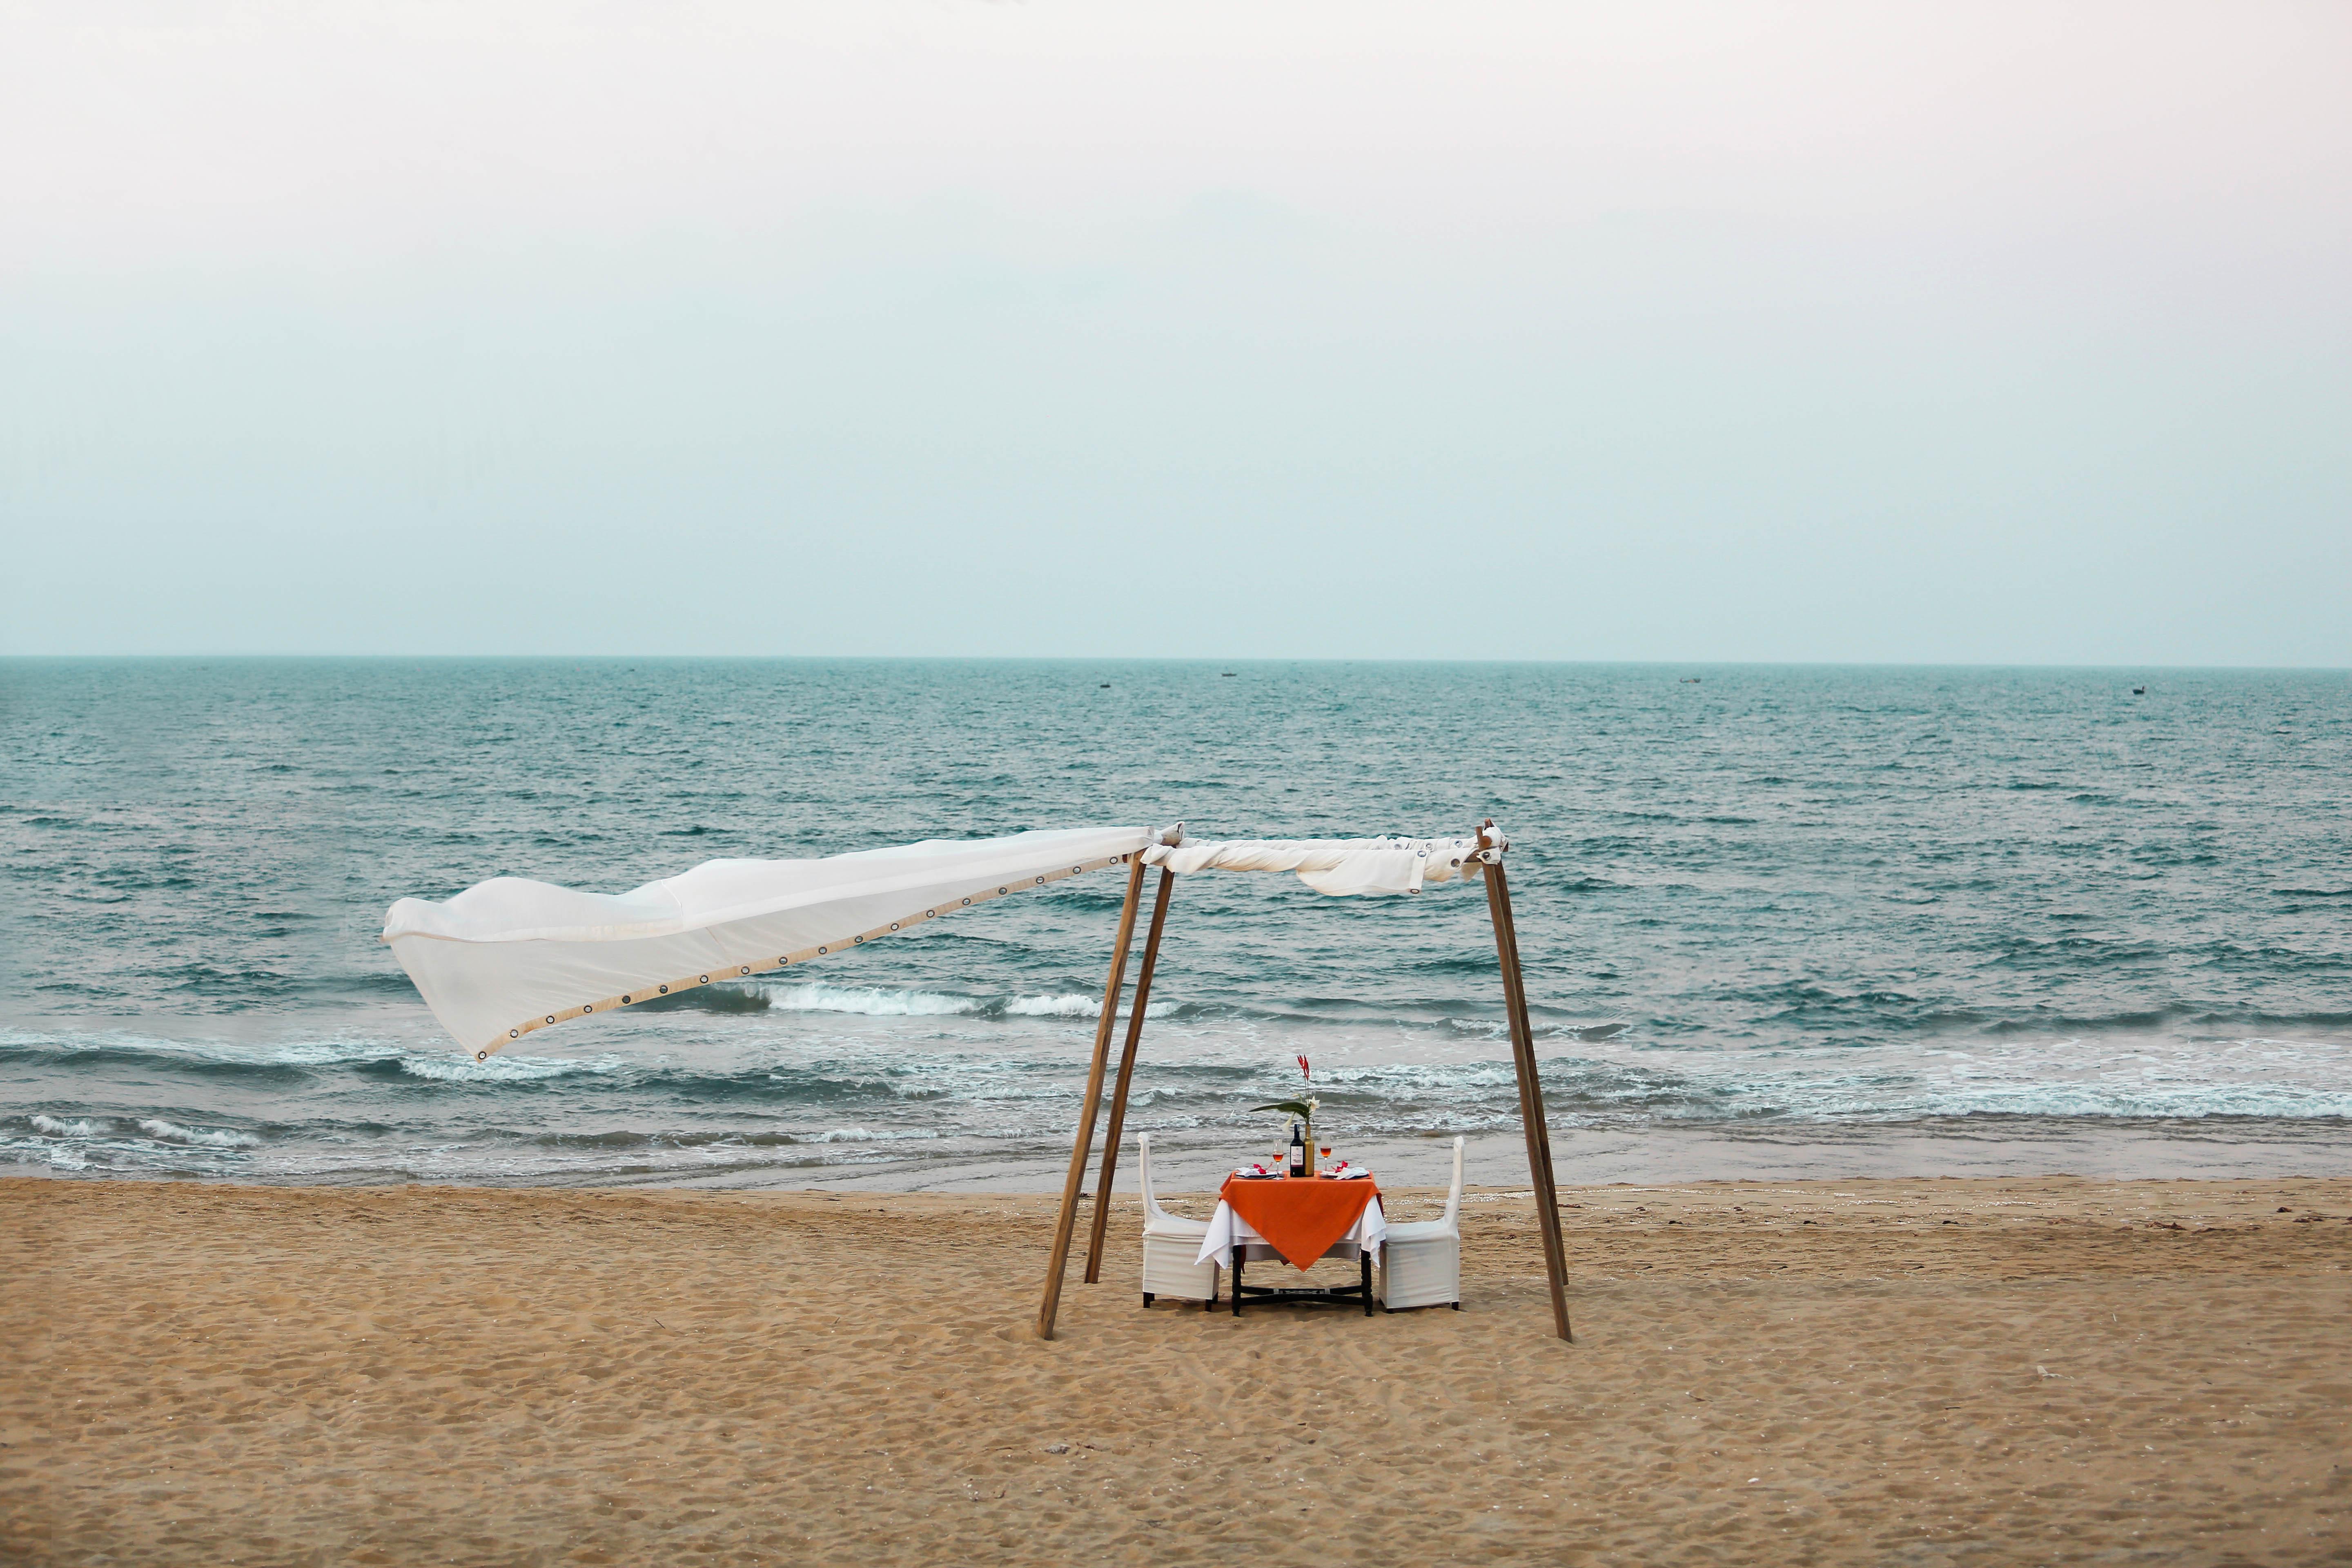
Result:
1926,1372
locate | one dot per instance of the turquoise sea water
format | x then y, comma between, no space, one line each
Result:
1775,920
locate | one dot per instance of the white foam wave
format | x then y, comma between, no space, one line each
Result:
454,1068
78,1128
196,1137
873,1002
868,1134
869,1001
1068,1006
327,1053
2096,1078
298,1053
1055,1007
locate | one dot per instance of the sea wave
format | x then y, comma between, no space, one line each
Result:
869,1001
197,1137
148,1143
876,1001
626,1138
78,1127
871,1135
454,1068
1068,1006
189,1053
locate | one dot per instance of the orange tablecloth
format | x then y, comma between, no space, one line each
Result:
1301,1216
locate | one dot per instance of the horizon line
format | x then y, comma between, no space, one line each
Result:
1260,659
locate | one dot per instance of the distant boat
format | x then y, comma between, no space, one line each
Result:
1105,685
1690,680
1227,674
2139,691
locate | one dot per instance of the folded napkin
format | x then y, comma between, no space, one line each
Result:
1256,1173
1344,1172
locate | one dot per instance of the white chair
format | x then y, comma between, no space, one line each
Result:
1421,1266
1170,1242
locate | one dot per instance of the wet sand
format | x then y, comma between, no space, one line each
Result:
2009,1371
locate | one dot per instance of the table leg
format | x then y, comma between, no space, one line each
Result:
1237,1280
1366,1260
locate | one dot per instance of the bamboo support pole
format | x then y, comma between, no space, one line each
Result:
1531,1107
1066,1224
1160,897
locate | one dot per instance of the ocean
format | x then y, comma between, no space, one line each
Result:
1777,921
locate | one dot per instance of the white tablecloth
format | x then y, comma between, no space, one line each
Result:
1228,1230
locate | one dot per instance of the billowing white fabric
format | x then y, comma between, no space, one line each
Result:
510,955
1343,868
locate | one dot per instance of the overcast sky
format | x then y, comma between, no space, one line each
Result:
1969,333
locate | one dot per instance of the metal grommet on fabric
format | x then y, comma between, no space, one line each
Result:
624,1001
511,1034
481,1056
706,980
820,952
1003,889
551,1018
894,925
745,969
1041,882
856,941
967,903
664,990
930,914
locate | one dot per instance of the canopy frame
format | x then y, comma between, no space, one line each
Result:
1489,855
510,956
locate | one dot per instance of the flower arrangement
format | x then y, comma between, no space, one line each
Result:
1304,1107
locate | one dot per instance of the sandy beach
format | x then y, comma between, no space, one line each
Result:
1919,1372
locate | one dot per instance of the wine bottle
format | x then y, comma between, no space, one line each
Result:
1297,1150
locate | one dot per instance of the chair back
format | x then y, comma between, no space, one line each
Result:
1454,1197
1151,1209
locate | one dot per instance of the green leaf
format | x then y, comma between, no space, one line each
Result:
1298,1107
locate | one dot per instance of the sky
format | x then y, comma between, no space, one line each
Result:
1986,332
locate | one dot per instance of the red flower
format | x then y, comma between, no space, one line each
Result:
1304,1071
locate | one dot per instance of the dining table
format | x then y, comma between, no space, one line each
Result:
1299,1220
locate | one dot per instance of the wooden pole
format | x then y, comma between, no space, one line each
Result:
1081,1147
1531,1109
1516,994
1159,897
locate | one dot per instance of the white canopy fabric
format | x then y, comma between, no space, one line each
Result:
511,956
1343,868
